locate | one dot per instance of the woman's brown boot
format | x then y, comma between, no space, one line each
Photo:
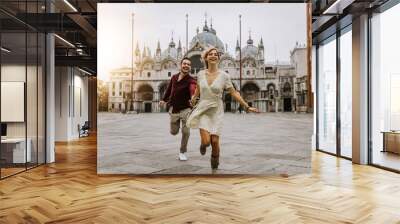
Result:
214,162
203,149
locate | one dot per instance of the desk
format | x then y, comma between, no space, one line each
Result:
15,148
391,141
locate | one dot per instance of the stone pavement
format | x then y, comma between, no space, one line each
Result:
266,144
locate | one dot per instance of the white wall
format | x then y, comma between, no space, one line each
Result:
33,126
71,102
12,73
80,109
62,83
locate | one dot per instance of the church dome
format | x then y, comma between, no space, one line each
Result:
207,38
170,52
250,50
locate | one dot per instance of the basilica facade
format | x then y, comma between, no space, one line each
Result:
271,87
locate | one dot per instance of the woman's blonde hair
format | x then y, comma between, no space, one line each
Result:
205,54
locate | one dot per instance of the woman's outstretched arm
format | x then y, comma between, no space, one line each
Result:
235,94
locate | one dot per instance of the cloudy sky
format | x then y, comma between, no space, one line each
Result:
280,26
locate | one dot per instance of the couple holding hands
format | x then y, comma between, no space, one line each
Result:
199,104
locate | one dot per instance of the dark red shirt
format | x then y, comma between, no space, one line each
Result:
179,92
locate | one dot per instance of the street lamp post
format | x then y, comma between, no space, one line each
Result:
133,20
187,33
240,58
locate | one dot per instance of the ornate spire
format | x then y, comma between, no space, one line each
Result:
137,53
179,44
211,28
205,27
172,43
179,49
261,45
250,41
158,50
237,45
137,48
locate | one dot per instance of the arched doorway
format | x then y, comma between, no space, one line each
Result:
197,64
271,94
287,99
145,94
162,88
271,90
250,93
147,107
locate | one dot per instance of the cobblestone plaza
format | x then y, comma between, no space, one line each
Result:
267,143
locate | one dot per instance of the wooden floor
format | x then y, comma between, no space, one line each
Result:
69,191
387,159
5,172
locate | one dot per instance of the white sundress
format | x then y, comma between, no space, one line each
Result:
209,112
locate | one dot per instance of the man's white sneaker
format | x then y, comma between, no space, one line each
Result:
182,157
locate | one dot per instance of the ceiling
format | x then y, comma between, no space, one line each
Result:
330,15
76,21
72,20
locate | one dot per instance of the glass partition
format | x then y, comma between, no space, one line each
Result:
14,154
346,93
385,89
327,95
22,87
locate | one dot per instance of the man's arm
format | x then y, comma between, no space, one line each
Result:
236,95
193,88
194,93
